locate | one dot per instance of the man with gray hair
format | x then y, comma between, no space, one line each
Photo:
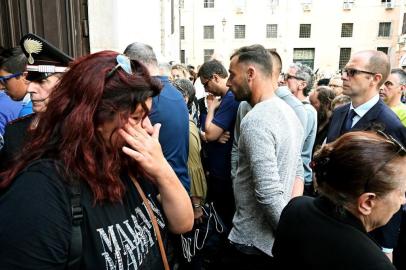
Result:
269,146
169,109
299,79
392,90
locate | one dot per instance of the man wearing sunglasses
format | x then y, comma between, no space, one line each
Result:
299,79
362,77
13,87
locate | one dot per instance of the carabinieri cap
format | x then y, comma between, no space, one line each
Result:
43,58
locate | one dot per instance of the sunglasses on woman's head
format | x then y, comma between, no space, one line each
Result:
123,62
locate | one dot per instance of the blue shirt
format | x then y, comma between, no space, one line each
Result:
219,154
9,110
27,106
169,109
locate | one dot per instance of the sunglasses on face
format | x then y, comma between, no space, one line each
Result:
206,83
123,62
4,79
400,151
288,77
351,72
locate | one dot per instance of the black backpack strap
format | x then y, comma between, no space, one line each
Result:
76,245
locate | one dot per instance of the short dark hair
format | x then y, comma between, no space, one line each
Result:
276,61
343,167
323,82
13,60
255,54
212,67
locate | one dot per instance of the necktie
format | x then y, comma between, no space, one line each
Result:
348,120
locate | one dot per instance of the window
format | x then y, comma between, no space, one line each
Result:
346,29
182,33
208,53
239,31
239,4
273,3
384,29
383,49
404,24
304,31
304,56
182,56
208,32
208,3
271,30
345,54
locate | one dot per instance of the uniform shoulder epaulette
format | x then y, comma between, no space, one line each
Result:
21,119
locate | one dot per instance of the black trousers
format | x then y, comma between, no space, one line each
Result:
236,259
220,192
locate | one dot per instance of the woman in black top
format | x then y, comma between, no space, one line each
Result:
95,135
361,179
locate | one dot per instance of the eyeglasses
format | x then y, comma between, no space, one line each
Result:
400,151
205,84
123,62
288,76
351,72
4,79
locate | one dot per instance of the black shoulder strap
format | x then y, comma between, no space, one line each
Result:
75,250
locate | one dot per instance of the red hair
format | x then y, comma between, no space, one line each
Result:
83,100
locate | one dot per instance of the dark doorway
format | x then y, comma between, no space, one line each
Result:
64,23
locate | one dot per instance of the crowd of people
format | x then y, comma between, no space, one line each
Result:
112,160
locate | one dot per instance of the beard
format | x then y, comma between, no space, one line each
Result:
242,92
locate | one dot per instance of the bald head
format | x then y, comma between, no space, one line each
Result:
378,62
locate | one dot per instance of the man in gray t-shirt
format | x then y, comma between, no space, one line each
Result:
269,148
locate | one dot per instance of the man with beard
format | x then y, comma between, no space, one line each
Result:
269,149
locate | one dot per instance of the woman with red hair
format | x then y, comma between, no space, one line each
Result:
96,146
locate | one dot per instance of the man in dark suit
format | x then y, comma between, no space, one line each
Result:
362,77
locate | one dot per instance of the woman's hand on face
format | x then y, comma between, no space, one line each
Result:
143,146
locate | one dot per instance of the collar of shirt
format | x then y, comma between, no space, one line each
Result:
26,99
362,109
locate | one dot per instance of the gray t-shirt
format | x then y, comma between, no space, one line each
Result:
269,150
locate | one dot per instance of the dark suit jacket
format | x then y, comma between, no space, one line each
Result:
382,116
379,115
